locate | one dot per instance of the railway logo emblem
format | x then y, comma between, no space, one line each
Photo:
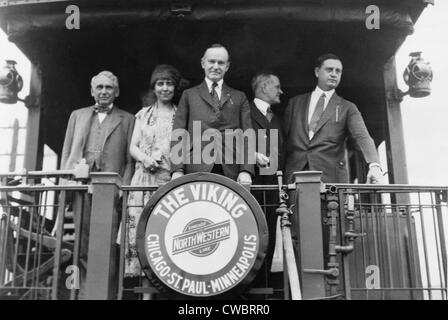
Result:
201,238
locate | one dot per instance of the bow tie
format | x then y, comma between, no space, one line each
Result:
102,109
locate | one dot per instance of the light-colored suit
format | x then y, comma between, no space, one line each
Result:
115,156
326,150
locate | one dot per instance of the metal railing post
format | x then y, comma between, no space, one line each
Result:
309,231
101,265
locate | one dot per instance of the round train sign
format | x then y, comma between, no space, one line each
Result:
202,235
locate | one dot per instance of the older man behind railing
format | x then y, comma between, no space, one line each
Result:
101,134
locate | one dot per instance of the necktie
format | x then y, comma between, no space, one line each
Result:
269,114
215,97
317,113
102,109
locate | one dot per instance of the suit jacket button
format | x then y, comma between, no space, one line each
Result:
341,163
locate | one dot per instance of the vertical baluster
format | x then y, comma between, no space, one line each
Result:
374,212
343,221
364,223
387,245
123,237
398,244
5,221
40,234
37,247
425,245
16,249
442,238
410,251
28,244
57,251
79,198
264,207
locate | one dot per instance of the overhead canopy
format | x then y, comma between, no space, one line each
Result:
130,37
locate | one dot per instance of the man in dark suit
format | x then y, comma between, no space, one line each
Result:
267,90
212,107
100,134
317,125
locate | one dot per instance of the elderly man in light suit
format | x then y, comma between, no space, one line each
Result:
100,134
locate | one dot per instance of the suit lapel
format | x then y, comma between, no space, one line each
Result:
328,112
303,116
205,94
225,94
115,119
258,116
86,120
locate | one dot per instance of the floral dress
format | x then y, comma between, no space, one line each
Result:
156,126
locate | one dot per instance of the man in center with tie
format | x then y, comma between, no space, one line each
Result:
212,105
317,125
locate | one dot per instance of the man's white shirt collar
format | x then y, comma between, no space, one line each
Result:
262,105
218,87
328,94
315,95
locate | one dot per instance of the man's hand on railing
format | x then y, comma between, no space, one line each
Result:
262,160
176,175
244,178
374,176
